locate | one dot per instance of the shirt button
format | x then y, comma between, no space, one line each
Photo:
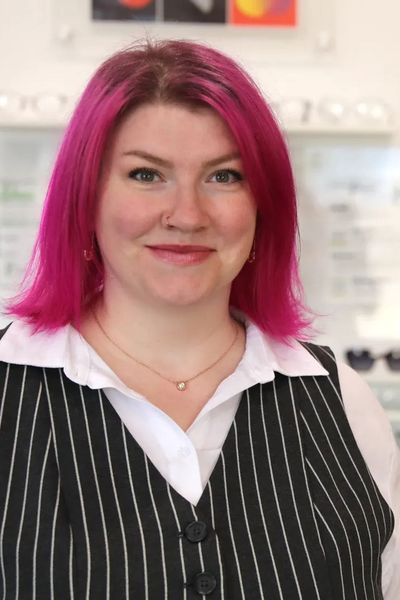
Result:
196,531
205,583
184,452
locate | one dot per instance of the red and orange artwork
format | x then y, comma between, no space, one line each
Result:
263,12
233,12
135,3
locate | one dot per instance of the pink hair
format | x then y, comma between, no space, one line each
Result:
59,284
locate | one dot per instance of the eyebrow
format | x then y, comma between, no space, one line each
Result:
166,163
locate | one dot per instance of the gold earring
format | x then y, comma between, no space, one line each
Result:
88,255
252,256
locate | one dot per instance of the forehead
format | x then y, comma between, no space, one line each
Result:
174,127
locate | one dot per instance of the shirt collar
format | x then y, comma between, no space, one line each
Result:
65,348
57,349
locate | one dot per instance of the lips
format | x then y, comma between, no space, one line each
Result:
181,248
181,254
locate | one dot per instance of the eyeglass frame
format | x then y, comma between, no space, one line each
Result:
354,356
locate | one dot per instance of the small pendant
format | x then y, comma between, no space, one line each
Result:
181,386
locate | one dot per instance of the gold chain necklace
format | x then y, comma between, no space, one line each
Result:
182,384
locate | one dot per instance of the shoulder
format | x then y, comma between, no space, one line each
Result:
16,329
22,356
4,364
11,336
22,344
369,422
324,355
363,409
374,436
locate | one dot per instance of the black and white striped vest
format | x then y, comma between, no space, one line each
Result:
290,511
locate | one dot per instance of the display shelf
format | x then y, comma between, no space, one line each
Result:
314,129
324,129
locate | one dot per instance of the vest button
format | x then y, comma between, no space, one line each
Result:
196,531
204,583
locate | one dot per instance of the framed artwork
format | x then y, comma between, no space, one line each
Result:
264,12
233,12
257,32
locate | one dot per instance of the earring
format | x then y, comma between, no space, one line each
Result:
252,256
88,255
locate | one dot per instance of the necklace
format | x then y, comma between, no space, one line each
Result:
182,384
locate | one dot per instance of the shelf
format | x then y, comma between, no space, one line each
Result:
314,129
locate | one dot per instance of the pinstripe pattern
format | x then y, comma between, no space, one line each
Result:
160,531
220,568
38,520
70,566
276,499
292,490
6,504
246,518
53,529
375,508
179,526
344,591
303,460
276,574
5,388
232,537
22,517
96,482
202,565
88,571
141,533
333,507
291,509
121,523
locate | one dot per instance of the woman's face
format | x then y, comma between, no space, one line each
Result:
176,219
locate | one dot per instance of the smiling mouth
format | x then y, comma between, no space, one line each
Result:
181,254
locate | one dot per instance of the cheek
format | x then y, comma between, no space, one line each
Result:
122,220
240,227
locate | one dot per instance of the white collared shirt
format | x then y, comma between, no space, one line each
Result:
187,458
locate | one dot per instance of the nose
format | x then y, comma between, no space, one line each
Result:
188,210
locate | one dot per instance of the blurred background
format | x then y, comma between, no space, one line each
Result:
330,69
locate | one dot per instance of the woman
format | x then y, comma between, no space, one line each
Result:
164,432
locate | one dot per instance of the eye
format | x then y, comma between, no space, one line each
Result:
227,176
144,175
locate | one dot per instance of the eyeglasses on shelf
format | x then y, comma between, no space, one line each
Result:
364,359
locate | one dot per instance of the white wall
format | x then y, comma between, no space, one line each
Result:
363,61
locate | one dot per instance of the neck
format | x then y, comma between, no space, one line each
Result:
163,335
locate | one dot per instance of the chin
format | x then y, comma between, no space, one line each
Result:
181,299
187,295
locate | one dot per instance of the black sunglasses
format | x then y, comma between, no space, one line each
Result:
364,360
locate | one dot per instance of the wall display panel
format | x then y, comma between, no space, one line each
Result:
255,31
26,156
349,199
349,205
